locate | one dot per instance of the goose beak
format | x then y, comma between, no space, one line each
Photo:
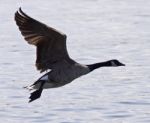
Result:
122,64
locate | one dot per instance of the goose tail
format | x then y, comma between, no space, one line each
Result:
36,88
35,95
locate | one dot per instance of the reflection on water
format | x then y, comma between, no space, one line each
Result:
97,31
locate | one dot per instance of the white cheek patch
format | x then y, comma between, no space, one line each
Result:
113,63
44,77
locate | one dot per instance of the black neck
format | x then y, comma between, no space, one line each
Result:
98,65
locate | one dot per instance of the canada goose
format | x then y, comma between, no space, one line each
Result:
52,55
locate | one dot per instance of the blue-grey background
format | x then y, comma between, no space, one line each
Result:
97,30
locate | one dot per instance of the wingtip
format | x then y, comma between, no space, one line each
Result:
22,13
20,10
16,13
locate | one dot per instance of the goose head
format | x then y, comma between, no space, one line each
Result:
116,63
110,63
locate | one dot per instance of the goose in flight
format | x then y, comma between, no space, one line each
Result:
51,54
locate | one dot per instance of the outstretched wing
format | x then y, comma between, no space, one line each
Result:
51,44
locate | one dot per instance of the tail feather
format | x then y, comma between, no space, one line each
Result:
35,95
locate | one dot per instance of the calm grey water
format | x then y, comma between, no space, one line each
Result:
97,30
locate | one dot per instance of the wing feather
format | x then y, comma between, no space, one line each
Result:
50,43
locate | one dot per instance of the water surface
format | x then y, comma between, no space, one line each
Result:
97,30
